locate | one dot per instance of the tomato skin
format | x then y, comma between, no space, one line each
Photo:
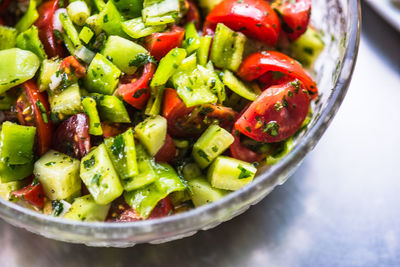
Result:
112,129
160,43
254,18
295,17
167,152
238,151
32,193
276,114
44,23
163,208
137,92
44,131
186,122
71,66
257,64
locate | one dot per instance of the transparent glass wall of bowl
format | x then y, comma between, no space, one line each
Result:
339,20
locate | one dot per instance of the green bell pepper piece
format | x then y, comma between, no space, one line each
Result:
8,37
102,76
86,34
168,65
29,40
129,8
16,67
159,12
204,49
16,143
29,17
111,20
11,173
192,41
145,199
136,28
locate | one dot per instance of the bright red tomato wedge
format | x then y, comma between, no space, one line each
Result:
52,46
259,63
238,151
160,43
163,208
137,92
254,18
167,152
295,16
32,193
276,114
33,109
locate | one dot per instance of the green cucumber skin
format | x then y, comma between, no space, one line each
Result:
203,193
86,209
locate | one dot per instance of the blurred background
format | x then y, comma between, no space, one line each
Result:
339,209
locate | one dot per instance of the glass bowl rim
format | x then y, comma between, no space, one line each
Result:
30,217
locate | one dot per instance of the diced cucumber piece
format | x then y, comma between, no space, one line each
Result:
7,188
29,40
136,28
159,12
102,76
307,48
68,102
86,34
227,48
59,175
89,106
10,173
146,173
16,143
111,20
47,70
202,192
212,143
123,53
204,49
16,67
238,86
99,176
152,133
30,16
111,108
8,37
192,41
86,209
168,66
122,152
78,11
191,171
146,198
230,174
180,196
195,87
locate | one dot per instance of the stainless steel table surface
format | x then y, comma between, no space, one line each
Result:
341,207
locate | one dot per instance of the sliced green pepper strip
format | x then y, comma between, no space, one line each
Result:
89,106
145,199
204,49
70,30
29,40
168,66
29,17
192,41
136,28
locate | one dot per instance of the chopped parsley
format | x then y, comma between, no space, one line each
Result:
118,146
244,173
89,163
57,207
96,179
203,154
50,163
272,128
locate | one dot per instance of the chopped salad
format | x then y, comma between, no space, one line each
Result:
127,110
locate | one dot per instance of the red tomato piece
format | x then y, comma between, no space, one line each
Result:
192,14
276,114
33,109
52,46
32,193
112,129
71,66
167,152
72,136
137,92
255,65
254,18
163,208
294,16
3,5
160,43
238,151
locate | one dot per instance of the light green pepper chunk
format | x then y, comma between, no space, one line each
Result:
168,65
136,28
159,12
8,37
29,40
16,67
111,20
29,17
129,8
192,41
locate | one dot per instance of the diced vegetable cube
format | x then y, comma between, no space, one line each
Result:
202,192
86,209
152,133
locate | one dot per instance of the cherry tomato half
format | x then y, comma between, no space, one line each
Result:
32,193
276,114
160,43
259,63
254,18
167,152
238,151
52,46
294,15
137,92
33,109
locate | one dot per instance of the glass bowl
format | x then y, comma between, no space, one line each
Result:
339,21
